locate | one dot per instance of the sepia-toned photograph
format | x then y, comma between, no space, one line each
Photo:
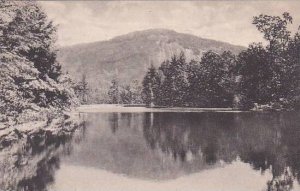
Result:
149,95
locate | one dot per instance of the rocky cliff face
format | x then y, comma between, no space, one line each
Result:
129,56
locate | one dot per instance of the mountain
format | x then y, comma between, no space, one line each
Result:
128,56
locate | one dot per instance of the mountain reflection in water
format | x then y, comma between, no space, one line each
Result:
162,147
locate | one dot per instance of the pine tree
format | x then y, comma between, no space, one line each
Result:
180,80
175,81
151,87
166,83
114,92
195,95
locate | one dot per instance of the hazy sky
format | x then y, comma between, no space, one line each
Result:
229,21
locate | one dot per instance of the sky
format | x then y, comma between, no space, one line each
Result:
228,21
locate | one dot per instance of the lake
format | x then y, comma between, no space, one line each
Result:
122,151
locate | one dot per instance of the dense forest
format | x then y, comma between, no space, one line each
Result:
261,77
33,86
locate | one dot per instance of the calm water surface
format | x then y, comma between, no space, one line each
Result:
168,151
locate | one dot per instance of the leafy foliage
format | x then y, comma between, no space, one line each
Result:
208,83
31,78
82,90
270,74
125,94
260,76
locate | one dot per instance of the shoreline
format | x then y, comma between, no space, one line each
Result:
59,124
122,108
111,108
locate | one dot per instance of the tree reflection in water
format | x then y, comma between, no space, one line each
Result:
267,141
29,163
178,144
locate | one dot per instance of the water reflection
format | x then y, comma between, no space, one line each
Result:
29,163
266,141
160,147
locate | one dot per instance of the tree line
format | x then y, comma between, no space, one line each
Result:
124,94
260,76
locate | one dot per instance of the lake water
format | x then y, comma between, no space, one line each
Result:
145,151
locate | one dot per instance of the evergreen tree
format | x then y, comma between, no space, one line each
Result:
180,80
114,92
166,83
82,90
151,87
175,81
196,97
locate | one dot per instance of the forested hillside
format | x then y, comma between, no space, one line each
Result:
260,77
183,70
127,57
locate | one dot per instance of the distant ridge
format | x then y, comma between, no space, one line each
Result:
128,56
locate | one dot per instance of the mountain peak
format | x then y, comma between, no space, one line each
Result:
128,56
147,32
156,30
